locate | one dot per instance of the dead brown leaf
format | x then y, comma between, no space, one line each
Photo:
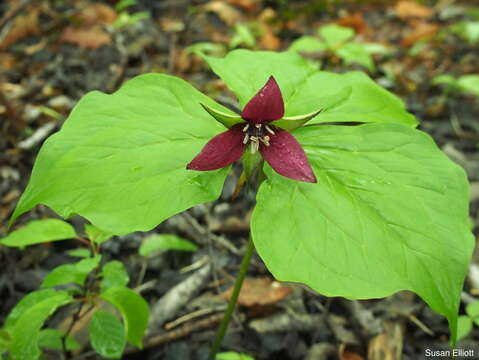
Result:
410,9
88,38
387,345
421,30
226,12
23,26
96,14
260,291
355,21
348,355
247,5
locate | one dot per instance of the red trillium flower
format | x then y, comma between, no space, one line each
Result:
277,146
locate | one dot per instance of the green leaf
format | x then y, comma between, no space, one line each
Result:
355,53
464,327
120,159
468,30
308,44
71,273
113,274
52,339
107,335
97,235
389,213
444,79
335,35
133,309
5,341
231,355
473,311
343,97
163,242
80,252
226,119
26,331
294,122
469,84
26,303
39,231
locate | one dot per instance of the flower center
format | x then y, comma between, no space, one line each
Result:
254,134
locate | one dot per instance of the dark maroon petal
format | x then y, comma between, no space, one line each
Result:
286,156
220,151
267,105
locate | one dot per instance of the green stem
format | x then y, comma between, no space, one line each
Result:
233,299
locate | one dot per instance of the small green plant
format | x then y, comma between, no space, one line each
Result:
338,40
461,85
467,30
89,286
125,18
466,322
231,355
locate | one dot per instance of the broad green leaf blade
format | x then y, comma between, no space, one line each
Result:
107,334
350,97
232,355
464,327
26,303
52,339
113,274
389,213
39,231
26,331
120,159
334,35
97,235
133,309
355,53
307,44
71,273
163,242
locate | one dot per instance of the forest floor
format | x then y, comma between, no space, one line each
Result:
53,52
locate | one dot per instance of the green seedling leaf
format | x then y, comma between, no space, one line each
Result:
26,331
107,335
376,48
231,355
27,302
97,235
80,252
133,309
308,44
243,35
473,311
113,274
227,119
389,213
444,80
120,159
355,53
468,30
39,231
71,273
335,35
52,339
469,84
208,48
164,242
464,327
306,90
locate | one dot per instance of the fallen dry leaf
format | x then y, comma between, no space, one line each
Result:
226,12
88,38
355,21
421,30
410,9
348,355
23,26
260,291
387,345
247,5
96,14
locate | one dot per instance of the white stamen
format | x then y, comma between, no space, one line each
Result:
258,126
265,140
246,138
245,127
269,129
254,144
